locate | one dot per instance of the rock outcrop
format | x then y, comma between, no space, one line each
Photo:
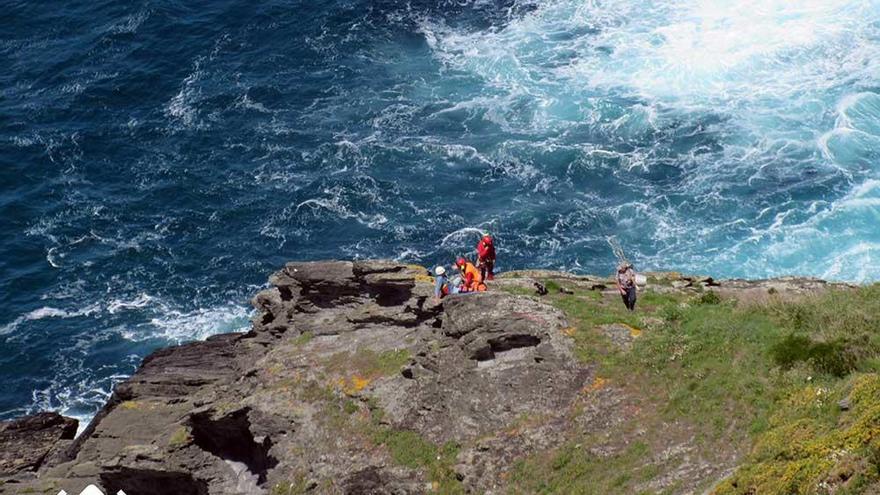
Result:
345,361
27,443
353,379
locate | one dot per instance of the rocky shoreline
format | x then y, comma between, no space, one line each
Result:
353,379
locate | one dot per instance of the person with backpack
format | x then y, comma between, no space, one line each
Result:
486,257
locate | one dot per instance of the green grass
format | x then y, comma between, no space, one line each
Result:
390,362
179,438
519,291
303,339
314,391
299,485
408,448
587,309
369,363
551,286
733,374
703,366
575,470
349,407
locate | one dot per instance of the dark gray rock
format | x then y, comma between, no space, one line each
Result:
25,443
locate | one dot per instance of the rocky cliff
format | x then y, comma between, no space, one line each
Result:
353,379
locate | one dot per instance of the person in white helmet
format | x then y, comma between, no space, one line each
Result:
441,282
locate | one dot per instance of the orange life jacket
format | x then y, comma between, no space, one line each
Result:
470,273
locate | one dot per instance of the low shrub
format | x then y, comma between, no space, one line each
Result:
791,350
837,357
551,286
834,358
709,297
672,312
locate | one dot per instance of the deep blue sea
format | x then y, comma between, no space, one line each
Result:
161,158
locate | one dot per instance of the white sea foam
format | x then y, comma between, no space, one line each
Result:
53,258
335,201
685,52
44,313
164,319
245,102
183,107
130,23
79,394
463,236
409,254
118,305
79,388
179,326
817,245
778,84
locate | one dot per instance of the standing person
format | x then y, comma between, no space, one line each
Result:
626,284
471,279
486,257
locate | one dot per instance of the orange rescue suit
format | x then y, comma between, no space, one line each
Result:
473,280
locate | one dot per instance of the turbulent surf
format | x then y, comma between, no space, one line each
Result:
160,159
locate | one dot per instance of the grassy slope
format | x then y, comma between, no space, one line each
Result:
757,382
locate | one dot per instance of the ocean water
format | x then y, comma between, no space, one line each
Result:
161,158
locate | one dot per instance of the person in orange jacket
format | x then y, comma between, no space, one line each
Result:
471,279
486,257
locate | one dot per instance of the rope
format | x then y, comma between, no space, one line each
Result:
617,249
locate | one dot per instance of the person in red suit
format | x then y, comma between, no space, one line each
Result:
486,257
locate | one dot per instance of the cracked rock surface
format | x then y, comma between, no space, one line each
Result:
341,356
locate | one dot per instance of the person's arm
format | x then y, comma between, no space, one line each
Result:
468,280
620,288
481,253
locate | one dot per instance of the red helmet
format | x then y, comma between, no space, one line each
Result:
460,262
487,239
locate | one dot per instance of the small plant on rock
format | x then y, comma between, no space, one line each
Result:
709,297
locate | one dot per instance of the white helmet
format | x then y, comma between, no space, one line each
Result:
439,271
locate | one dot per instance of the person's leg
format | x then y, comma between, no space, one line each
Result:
438,287
625,297
490,267
631,293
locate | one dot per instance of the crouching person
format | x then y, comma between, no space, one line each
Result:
471,278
